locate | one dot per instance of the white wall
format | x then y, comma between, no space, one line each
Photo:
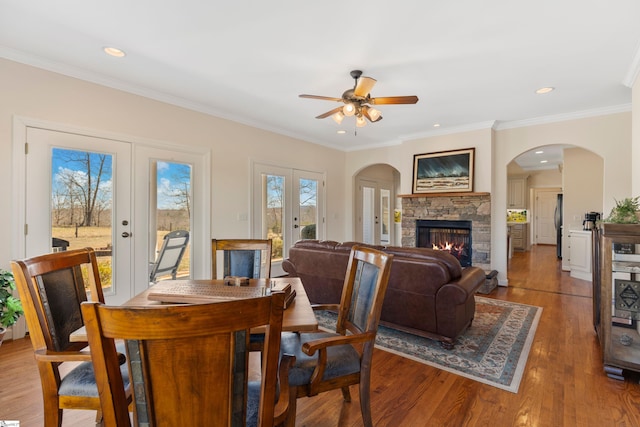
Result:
42,95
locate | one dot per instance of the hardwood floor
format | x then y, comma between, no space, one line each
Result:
563,384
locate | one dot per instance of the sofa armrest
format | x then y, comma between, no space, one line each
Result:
458,292
289,267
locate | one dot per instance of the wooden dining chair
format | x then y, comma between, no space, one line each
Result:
174,245
327,360
242,257
52,288
189,363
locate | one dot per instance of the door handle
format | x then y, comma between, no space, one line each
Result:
126,234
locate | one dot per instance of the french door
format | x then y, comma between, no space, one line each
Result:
116,196
78,194
288,205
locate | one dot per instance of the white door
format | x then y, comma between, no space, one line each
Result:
288,205
171,193
78,190
545,206
374,212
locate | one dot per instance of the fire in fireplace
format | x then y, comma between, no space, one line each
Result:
447,235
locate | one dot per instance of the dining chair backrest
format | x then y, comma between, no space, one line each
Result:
52,288
327,361
242,257
189,363
174,245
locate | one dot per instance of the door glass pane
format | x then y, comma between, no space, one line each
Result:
172,208
81,205
385,208
273,217
308,198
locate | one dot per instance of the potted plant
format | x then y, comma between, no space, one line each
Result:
625,211
10,307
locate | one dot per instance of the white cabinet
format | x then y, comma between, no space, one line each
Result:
580,254
519,237
517,192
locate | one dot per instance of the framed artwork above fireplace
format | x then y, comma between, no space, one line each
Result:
444,171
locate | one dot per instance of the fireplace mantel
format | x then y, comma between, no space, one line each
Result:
458,194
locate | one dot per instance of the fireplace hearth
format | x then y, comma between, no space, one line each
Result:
453,236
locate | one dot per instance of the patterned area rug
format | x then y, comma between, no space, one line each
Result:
494,350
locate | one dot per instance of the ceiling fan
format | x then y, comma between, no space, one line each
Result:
357,101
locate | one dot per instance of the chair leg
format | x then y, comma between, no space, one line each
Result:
365,402
346,394
52,413
290,421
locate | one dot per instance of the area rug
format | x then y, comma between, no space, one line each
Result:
494,350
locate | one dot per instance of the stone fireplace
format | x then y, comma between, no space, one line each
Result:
450,208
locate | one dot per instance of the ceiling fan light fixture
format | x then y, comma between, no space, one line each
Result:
360,121
374,114
338,117
349,109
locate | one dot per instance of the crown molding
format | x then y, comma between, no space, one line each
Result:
624,108
634,70
449,130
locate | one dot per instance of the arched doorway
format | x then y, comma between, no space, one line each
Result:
375,201
574,172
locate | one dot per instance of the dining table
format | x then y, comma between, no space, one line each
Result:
298,315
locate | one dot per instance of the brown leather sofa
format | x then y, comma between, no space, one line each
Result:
429,293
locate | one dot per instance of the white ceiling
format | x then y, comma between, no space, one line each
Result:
472,64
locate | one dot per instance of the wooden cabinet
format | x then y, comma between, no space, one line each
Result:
617,327
519,237
517,192
580,254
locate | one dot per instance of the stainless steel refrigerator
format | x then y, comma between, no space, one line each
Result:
558,223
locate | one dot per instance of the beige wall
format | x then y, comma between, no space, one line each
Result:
401,158
635,125
606,136
41,95
583,192
545,178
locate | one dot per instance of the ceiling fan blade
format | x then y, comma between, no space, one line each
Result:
325,98
394,100
364,86
329,113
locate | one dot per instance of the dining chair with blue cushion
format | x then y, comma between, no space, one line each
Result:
331,360
242,257
189,363
52,288
249,258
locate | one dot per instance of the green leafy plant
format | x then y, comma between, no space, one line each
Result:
10,307
625,211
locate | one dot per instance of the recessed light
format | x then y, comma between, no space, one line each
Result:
544,161
341,132
544,90
114,51
436,125
539,152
